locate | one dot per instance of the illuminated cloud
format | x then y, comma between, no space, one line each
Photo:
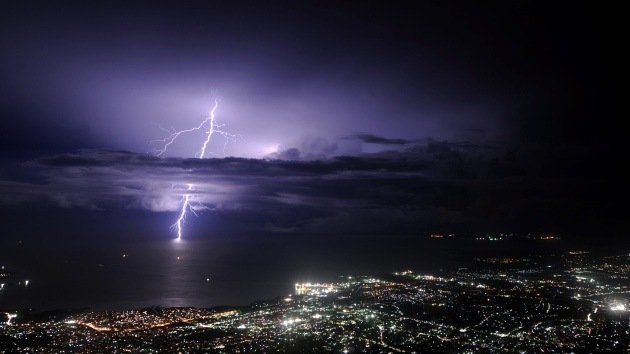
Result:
425,185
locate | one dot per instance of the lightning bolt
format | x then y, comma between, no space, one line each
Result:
210,131
211,127
188,204
182,215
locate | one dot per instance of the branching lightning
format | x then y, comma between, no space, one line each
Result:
210,131
187,203
182,215
212,128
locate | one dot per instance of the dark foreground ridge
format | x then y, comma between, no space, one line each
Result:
571,302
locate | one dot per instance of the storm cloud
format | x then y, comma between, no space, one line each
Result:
426,186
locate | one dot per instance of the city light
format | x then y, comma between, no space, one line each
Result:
618,307
407,311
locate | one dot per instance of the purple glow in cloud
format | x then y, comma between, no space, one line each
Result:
211,127
209,123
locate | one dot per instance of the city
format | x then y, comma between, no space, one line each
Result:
569,302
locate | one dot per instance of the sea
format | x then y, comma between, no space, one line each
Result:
230,270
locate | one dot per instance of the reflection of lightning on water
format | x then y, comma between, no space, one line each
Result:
212,128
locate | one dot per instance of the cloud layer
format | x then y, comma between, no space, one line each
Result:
422,186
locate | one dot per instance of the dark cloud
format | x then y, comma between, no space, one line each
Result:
426,186
375,139
309,148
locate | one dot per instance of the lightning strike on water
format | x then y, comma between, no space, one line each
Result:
182,215
188,205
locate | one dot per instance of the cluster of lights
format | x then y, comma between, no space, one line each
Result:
381,314
291,321
315,288
618,307
10,316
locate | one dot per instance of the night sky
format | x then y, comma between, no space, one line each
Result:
354,118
